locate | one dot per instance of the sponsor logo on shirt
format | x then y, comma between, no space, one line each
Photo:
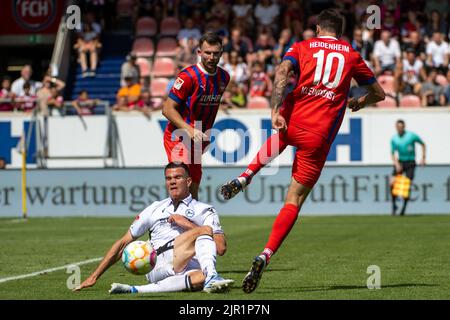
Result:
178,83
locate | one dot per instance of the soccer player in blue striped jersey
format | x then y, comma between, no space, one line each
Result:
192,106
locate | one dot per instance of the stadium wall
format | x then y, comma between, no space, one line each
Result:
364,138
341,190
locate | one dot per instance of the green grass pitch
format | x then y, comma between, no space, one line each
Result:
322,258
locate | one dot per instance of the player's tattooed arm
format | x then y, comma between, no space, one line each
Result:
280,84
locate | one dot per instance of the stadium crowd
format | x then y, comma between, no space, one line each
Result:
409,54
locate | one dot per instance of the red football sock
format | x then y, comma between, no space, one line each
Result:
281,228
273,146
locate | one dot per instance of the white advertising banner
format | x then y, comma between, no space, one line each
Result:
364,138
341,190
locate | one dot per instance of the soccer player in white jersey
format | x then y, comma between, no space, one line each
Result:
187,236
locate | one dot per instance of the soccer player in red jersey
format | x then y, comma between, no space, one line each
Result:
308,118
192,107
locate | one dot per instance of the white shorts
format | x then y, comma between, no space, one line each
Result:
164,267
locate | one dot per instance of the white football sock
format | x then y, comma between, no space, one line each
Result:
170,284
205,250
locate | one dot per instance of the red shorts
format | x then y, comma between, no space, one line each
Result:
311,154
178,151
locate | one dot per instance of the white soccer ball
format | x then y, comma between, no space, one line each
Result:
139,257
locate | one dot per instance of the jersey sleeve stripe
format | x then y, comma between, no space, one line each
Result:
175,98
367,82
294,62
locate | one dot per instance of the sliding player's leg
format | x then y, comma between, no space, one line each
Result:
201,244
192,280
271,149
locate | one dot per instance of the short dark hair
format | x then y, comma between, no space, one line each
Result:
331,20
211,38
401,122
177,164
26,85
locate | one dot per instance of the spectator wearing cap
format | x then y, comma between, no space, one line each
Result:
25,76
6,96
130,68
412,74
128,95
48,98
386,52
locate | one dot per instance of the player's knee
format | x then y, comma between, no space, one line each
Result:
206,230
221,249
196,280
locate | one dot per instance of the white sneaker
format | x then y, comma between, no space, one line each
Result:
217,284
117,288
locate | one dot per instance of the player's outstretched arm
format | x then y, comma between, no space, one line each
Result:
374,95
278,93
111,257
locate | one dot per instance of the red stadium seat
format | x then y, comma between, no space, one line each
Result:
144,66
158,87
169,26
258,103
143,47
146,27
166,47
163,67
387,82
442,80
124,8
388,102
410,101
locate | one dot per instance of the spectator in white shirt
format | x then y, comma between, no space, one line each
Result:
437,52
386,54
17,86
413,73
266,13
238,70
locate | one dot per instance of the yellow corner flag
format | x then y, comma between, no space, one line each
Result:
401,186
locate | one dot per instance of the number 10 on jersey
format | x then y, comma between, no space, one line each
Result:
322,75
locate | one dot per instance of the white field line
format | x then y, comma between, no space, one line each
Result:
23,276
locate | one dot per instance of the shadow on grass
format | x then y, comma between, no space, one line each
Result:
350,287
266,271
